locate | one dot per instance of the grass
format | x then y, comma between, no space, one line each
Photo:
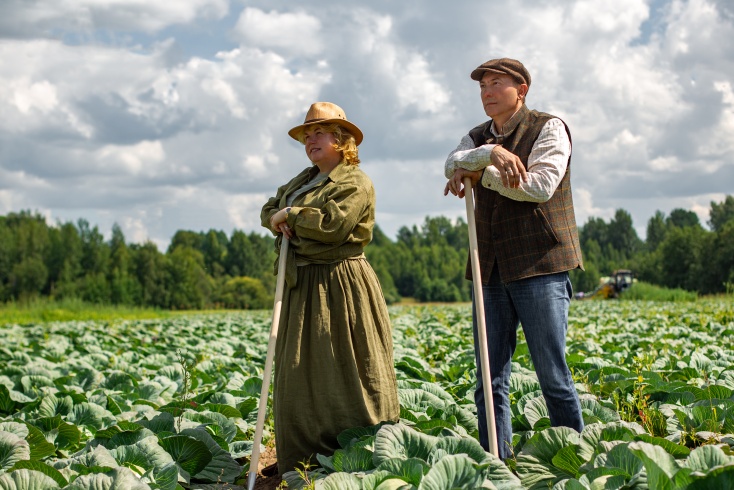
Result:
44,310
650,292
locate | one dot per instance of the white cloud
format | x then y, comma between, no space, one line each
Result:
296,33
143,157
134,229
244,210
27,96
404,70
223,91
108,115
6,202
666,164
584,208
24,18
720,141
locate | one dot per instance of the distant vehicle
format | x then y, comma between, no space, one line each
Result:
610,287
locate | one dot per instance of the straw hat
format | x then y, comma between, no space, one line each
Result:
326,113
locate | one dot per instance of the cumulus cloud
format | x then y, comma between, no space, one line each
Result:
134,159
244,210
21,18
107,116
297,33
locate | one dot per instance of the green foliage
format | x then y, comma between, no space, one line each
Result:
147,404
721,214
650,292
682,218
606,247
682,258
45,310
244,293
73,261
679,253
211,270
427,264
28,277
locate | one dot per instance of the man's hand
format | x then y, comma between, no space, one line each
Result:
510,166
455,185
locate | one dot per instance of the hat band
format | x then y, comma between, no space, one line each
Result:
309,121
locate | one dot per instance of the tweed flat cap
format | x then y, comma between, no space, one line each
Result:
508,66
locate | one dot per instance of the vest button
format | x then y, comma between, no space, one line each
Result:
495,236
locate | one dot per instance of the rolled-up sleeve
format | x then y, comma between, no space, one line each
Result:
547,165
468,157
271,207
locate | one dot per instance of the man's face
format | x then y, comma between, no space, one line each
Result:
500,95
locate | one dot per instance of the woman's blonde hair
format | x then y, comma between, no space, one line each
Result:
345,142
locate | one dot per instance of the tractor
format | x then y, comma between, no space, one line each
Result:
611,286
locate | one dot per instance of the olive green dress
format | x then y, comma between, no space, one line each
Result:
333,358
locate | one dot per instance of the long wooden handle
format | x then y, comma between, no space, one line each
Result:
481,319
267,373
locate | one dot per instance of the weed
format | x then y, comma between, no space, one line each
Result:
187,367
303,472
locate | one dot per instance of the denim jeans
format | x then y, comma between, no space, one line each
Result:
540,304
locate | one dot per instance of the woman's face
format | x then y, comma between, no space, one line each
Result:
320,147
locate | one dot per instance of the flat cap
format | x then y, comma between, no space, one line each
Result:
508,66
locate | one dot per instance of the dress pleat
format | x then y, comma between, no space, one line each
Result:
333,360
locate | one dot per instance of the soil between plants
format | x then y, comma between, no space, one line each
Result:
267,482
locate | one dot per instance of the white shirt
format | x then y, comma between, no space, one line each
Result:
546,164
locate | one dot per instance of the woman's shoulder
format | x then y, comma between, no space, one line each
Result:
353,174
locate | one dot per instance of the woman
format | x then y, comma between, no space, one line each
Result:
333,356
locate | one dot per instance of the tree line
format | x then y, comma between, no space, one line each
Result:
73,260
678,251
215,270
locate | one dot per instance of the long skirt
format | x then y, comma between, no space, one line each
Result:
334,365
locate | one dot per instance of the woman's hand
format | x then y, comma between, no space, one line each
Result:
279,225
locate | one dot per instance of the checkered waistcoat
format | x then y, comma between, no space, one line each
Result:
524,238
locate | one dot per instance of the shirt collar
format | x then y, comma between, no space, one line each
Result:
511,123
335,175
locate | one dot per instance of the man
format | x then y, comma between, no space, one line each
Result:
519,162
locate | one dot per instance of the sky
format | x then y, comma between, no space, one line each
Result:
166,116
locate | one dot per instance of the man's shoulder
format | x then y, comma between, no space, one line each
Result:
544,117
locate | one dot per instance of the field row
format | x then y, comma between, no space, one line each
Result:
166,403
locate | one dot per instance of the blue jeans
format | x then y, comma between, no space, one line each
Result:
540,304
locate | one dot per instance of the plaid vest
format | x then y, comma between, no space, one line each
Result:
524,239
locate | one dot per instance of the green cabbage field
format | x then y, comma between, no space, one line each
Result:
168,404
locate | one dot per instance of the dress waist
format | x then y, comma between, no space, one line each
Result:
300,261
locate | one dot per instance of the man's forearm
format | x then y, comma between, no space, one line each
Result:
468,157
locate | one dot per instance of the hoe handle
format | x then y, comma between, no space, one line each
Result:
267,373
481,319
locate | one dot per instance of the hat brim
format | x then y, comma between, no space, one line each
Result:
478,74
351,128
